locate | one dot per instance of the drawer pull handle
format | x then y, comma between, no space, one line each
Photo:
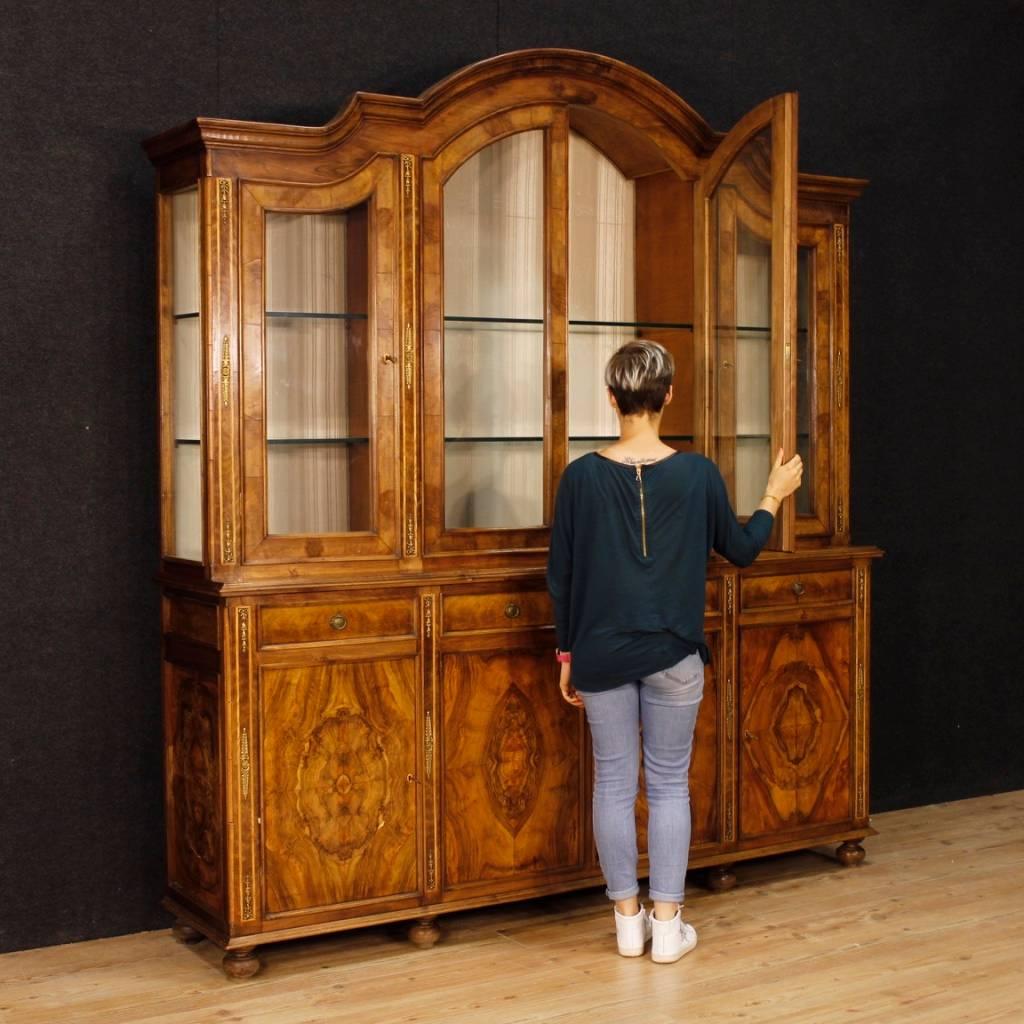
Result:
338,622
512,610
798,588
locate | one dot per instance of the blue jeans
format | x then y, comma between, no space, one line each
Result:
665,705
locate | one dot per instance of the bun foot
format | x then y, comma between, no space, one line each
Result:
424,933
186,933
850,853
241,963
721,878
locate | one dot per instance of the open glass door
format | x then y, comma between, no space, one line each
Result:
746,257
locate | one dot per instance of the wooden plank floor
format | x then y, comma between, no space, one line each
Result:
930,928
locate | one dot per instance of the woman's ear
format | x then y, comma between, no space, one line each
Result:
668,395
611,399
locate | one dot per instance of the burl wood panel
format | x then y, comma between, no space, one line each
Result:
195,826
795,726
512,758
338,755
704,776
796,589
341,620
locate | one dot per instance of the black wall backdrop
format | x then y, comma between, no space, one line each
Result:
925,99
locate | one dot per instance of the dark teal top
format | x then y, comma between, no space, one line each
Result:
628,562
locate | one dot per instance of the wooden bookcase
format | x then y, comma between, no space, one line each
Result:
381,341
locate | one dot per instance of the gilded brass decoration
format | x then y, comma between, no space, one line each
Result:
248,909
728,594
839,235
243,629
407,174
860,587
839,514
339,622
428,616
224,197
431,874
407,356
410,534
428,746
245,763
840,379
229,545
225,371
728,706
729,832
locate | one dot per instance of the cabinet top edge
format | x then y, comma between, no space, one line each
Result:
563,67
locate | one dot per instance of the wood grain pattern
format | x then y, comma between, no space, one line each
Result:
796,589
795,725
511,758
510,609
339,777
339,621
195,828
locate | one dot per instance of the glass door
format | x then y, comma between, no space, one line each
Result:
747,269
320,364
493,328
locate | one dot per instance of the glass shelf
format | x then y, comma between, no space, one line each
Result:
186,440
491,320
318,440
649,324
740,329
301,315
185,316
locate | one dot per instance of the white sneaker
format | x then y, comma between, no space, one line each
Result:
671,940
632,933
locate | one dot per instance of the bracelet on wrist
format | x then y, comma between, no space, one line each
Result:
563,656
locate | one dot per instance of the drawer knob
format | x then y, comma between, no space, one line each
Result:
338,621
798,588
512,610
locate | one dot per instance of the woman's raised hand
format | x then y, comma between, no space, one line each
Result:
785,477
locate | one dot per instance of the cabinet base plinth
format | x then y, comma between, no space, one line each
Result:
850,853
425,932
721,878
241,963
186,933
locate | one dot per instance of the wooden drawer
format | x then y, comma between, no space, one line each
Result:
796,590
340,620
513,609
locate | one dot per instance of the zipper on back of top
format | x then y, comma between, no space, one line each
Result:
643,510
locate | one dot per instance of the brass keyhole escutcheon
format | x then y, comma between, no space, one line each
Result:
389,358
512,610
338,621
798,588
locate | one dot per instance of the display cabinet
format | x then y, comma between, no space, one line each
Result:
381,342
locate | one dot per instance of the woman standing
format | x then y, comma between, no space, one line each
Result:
633,527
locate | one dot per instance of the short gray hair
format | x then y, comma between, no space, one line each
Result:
639,375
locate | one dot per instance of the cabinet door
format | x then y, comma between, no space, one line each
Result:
746,259
795,726
320,359
338,757
512,781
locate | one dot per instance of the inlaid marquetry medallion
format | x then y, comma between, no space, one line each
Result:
514,759
342,784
